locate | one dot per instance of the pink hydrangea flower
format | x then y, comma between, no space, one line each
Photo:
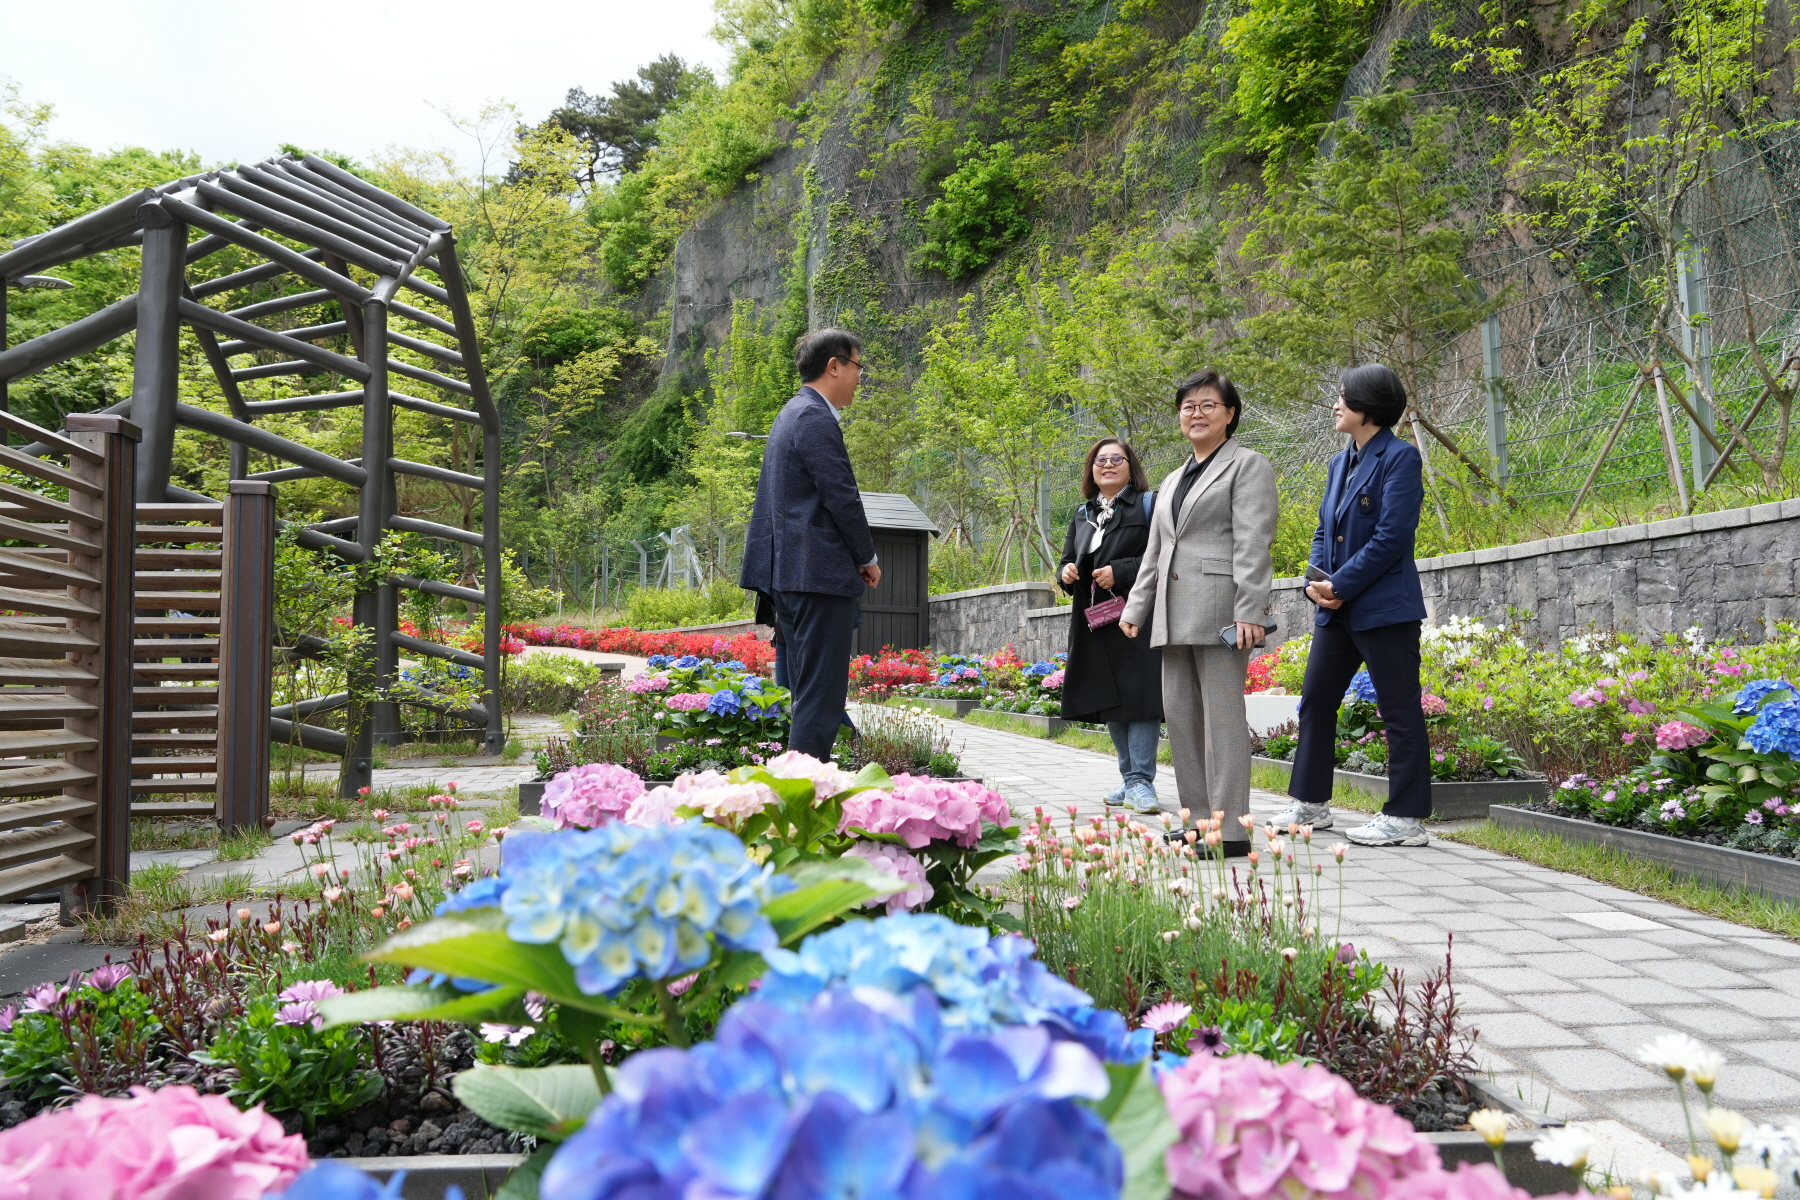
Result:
921,809
1470,1181
1250,1129
903,867
655,807
1434,706
1053,681
688,701
640,684
1679,735
173,1144
721,801
827,779
589,796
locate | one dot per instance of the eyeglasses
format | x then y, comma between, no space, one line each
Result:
862,368
1109,460
1205,408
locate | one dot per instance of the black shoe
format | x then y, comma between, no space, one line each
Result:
1236,849
1231,849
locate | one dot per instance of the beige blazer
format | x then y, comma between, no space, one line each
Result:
1213,567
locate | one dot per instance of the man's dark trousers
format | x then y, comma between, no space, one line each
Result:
816,632
1391,652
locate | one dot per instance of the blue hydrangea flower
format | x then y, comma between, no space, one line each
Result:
851,1094
327,1179
1777,729
687,662
1751,696
757,712
480,893
983,983
1040,668
1361,688
724,704
658,660
623,901
751,683
734,665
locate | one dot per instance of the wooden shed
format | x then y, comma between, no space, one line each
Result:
898,613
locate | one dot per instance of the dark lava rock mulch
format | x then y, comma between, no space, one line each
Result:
1436,1111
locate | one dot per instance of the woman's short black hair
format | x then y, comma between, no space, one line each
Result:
1218,382
814,351
1376,392
1139,480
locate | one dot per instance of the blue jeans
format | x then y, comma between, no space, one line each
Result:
1136,743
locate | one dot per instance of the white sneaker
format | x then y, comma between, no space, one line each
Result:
1141,797
1389,831
1297,813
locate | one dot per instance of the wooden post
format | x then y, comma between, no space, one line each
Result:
109,663
157,362
246,671
1492,374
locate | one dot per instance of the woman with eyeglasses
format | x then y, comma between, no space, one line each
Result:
1111,679
1203,590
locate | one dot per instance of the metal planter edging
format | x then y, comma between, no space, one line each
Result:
1722,865
1449,801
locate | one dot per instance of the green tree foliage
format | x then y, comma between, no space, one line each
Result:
1291,58
983,207
1368,257
617,131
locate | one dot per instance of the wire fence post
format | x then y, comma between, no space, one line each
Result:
1492,375
1696,342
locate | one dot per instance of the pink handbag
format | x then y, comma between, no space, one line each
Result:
1105,613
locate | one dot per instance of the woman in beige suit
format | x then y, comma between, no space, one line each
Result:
1207,567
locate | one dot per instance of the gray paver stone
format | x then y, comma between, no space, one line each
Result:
1694,974
1516,941
1760,1002
1644,991
1580,1008
1572,964
1620,949
1594,1070
1510,980
1523,1029
1713,1022
1745,1084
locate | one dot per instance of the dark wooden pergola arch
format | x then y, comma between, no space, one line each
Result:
342,221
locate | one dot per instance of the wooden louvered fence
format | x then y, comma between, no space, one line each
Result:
65,675
202,637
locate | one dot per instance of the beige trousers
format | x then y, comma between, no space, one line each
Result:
1203,705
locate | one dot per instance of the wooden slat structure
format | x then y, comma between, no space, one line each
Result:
65,671
360,247
201,643
898,614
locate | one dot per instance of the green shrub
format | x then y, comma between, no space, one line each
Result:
670,608
984,205
317,1073
546,683
1292,58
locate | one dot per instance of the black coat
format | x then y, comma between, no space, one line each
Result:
808,532
1109,677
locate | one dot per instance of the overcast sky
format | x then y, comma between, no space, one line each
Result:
234,80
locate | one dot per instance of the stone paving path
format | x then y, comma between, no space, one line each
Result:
1564,978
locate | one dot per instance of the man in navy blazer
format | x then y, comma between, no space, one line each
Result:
1370,611
809,548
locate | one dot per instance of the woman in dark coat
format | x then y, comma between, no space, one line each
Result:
1110,678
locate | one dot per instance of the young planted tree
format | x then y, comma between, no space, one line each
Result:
1620,143
1367,260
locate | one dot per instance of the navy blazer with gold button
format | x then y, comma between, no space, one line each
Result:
1368,524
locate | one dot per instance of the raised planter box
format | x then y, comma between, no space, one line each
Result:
1449,801
1046,726
939,704
531,799
427,1175
1778,877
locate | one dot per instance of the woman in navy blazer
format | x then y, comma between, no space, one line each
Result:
1370,610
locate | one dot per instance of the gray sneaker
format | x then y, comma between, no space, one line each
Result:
1389,831
1316,815
1141,797
1116,797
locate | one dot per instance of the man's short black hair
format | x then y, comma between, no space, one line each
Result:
1376,392
816,349
1217,381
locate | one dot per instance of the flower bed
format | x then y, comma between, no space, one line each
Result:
1590,704
1724,773
747,648
1458,753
